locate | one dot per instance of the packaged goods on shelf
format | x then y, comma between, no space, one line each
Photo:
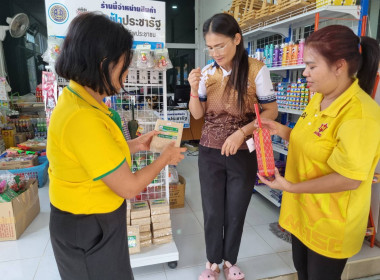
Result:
17,162
145,243
163,240
162,232
293,96
160,218
168,131
133,239
146,235
145,228
140,209
161,225
140,221
159,206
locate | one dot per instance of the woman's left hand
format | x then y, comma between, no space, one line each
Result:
143,141
233,143
279,183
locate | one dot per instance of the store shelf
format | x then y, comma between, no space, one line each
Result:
155,254
279,148
299,17
290,111
266,192
284,68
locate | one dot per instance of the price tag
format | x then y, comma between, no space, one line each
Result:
251,145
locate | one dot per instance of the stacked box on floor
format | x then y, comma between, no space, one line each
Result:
140,217
161,223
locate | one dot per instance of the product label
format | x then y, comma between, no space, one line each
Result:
132,243
165,128
167,136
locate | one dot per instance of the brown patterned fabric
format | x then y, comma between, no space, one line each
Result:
222,117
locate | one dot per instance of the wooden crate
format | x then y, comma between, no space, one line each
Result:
237,9
249,12
287,6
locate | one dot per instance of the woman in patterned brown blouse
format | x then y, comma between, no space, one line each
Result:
224,93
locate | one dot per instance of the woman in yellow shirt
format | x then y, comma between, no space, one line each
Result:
90,161
333,151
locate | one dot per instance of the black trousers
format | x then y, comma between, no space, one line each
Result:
91,247
226,188
313,266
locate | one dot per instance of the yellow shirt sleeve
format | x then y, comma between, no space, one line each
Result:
88,137
357,145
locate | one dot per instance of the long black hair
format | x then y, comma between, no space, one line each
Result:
362,54
92,45
226,25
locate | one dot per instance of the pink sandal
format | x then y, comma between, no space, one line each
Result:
210,272
233,272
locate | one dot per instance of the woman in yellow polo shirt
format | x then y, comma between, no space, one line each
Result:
333,151
90,161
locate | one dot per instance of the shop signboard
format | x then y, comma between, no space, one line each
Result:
144,18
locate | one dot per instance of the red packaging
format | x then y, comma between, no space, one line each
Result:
264,149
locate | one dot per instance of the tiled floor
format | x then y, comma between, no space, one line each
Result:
262,255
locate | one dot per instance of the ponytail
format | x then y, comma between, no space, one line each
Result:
369,65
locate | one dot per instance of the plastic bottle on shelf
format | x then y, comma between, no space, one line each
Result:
276,56
284,55
289,53
266,55
270,58
301,47
279,62
294,56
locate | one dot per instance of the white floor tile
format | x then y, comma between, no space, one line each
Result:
49,249
47,270
366,252
30,245
185,224
287,257
253,245
199,215
261,211
19,270
195,202
182,210
41,222
158,276
191,250
263,266
190,273
150,269
275,242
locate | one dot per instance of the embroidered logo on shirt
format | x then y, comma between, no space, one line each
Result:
322,128
304,115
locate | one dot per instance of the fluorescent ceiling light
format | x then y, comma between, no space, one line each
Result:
174,7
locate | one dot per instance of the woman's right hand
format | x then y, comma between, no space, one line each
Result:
173,154
269,124
194,79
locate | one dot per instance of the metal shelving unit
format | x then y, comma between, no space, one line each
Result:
266,192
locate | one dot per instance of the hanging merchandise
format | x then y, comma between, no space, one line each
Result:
49,93
161,57
133,125
301,46
144,59
264,149
52,52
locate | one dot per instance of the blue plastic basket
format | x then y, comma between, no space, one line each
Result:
40,171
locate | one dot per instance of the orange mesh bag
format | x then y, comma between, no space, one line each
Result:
264,149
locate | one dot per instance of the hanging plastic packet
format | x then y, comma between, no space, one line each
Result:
161,57
144,57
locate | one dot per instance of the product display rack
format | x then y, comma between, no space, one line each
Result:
150,103
283,25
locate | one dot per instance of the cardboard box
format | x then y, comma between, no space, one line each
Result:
133,239
9,137
177,193
20,137
16,215
16,163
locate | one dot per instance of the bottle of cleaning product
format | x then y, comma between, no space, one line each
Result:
284,55
270,58
294,58
279,62
266,55
276,56
289,53
301,46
